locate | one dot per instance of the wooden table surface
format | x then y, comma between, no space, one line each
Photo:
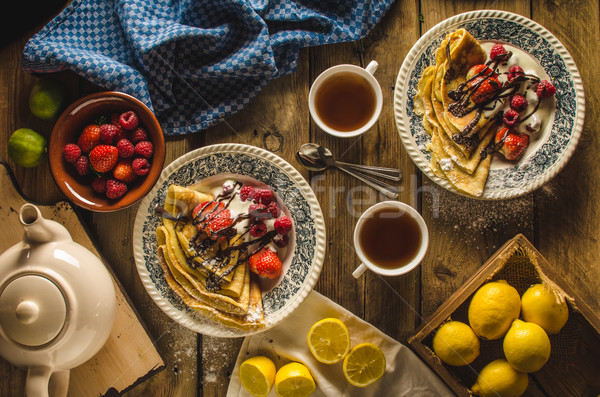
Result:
562,218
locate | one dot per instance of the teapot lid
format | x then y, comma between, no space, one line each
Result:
33,310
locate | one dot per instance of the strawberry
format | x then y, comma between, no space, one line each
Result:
283,225
211,217
266,263
479,71
485,90
89,138
123,171
103,158
514,144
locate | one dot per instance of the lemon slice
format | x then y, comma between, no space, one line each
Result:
364,365
294,380
328,340
257,375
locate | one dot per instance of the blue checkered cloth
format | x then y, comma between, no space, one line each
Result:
193,62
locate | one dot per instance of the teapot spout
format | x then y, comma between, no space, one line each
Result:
39,230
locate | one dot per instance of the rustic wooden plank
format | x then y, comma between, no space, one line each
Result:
566,208
393,303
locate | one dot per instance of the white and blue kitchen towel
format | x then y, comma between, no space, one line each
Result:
193,62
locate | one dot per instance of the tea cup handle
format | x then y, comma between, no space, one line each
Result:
372,67
359,270
36,384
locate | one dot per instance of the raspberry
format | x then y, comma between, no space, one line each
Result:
263,196
125,148
141,166
82,165
129,120
510,118
258,229
99,184
115,189
139,134
71,152
246,193
545,89
273,208
282,225
281,241
121,133
258,211
518,103
108,133
144,149
497,50
514,71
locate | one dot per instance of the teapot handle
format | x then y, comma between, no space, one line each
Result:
36,384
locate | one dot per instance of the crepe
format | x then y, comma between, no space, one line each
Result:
216,282
457,157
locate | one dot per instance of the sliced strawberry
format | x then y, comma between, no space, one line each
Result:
479,71
514,144
212,217
266,263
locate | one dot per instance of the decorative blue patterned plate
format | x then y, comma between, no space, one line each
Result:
291,188
557,139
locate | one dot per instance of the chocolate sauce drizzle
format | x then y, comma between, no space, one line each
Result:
207,245
462,95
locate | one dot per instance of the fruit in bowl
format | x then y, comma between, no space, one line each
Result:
106,151
117,153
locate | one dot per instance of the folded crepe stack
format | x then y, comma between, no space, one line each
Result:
457,143
227,293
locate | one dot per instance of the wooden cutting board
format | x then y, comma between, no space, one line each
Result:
127,358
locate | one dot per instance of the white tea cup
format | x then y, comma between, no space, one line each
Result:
413,229
346,100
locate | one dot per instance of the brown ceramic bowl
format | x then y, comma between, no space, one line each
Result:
69,126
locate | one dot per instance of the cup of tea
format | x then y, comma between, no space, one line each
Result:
390,238
346,100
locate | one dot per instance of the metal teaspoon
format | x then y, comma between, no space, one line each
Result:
317,158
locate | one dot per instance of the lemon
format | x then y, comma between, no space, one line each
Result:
47,98
257,375
27,148
294,380
328,340
455,343
364,365
541,306
499,379
526,346
493,308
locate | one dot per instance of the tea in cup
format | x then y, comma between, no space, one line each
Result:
390,238
346,100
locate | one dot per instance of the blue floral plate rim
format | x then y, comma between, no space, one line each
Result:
289,185
563,134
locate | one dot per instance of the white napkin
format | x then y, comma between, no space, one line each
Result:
406,374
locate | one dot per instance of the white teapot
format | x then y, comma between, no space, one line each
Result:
57,303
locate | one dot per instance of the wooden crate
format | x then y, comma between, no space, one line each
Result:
574,365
